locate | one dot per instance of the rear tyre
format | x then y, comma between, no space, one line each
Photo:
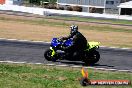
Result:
92,58
47,55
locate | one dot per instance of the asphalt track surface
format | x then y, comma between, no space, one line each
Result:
30,52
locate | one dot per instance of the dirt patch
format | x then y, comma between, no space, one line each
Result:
26,31
29,31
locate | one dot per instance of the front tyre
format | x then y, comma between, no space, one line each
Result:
47,54
92,58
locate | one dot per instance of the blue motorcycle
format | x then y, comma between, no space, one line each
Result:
90,55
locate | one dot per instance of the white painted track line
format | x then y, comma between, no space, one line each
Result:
74,66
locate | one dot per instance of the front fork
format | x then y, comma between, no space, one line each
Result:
54,54
53,51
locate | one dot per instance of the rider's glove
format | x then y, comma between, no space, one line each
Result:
60,39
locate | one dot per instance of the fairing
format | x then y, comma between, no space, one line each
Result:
93,45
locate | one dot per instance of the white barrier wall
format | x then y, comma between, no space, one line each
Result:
13,2
9,2
42,11
22,9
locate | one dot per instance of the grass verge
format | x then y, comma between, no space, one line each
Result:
114,21
41,76
61,23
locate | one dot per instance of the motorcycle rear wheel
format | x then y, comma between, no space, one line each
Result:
92,58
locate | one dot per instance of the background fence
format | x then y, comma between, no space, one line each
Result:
43,11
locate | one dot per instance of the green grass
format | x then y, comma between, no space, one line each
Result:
35,21
94,20
40,76
106,29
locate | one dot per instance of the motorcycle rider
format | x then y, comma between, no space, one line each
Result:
79,41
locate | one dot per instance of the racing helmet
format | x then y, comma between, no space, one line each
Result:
74,29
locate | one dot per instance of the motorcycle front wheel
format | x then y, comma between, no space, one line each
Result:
47,54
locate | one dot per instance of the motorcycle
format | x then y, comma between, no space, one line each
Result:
89,56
